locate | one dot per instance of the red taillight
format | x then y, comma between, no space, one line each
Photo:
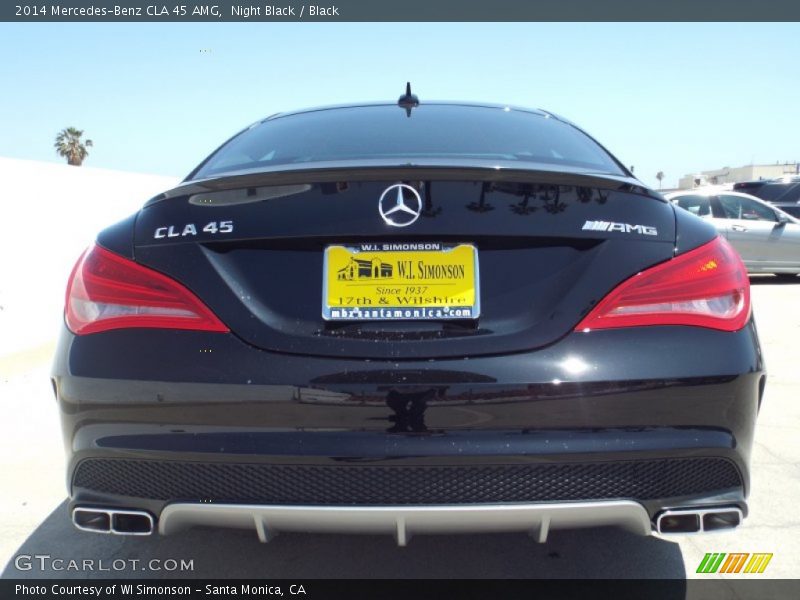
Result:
107,291
706,287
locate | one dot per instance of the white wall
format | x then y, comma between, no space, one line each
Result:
736,174
49,213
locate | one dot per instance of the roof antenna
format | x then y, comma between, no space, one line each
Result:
408,100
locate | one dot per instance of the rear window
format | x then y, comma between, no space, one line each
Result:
432,131
790,194
774,191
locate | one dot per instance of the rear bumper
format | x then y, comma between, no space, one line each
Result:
520,479
659,418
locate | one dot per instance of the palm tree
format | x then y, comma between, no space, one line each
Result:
659,176
68,144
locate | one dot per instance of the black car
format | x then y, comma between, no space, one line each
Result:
783,193
405,318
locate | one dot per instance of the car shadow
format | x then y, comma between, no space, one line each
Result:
773,280
598,553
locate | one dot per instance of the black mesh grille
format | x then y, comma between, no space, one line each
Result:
387,485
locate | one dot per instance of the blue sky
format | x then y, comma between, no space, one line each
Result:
158,98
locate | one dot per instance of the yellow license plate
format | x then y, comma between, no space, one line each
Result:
400,282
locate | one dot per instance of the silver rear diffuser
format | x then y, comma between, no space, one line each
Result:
404,521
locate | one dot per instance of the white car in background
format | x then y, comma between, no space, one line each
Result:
767,238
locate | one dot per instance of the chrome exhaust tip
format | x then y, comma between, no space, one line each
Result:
698,520
90,519
118,522
725,519
678,522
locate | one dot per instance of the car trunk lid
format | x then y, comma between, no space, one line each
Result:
549,247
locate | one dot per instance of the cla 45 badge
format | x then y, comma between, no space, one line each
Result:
190,229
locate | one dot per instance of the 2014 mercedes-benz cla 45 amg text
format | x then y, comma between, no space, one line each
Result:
424,318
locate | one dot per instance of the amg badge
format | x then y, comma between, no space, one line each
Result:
621,227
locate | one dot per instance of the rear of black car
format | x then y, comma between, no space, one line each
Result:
783,193
605,369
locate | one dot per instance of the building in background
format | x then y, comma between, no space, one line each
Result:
736,174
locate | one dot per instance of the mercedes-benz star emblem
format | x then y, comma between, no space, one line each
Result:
400,205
